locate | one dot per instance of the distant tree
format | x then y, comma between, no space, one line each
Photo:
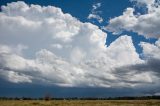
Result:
47,97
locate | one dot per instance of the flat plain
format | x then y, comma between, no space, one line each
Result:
80,103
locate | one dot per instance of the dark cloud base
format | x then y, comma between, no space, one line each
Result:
31,90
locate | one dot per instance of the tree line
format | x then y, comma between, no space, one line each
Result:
82,98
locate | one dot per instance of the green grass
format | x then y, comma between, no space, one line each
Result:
80,103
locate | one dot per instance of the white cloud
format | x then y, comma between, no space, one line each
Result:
94,16
58,46
77,55
151,50
43,44
96,6
157,94
146,24
94,13
15,77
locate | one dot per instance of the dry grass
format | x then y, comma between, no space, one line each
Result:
80,103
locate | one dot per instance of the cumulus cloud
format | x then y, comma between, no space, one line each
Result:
149,70
151,50
15,77
43,44
51,69
144,24
95,14
58,46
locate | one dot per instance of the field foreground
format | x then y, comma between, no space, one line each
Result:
80,103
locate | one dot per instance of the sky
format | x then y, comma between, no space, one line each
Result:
85,48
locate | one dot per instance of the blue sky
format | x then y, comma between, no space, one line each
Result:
85,48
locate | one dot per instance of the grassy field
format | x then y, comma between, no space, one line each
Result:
80,103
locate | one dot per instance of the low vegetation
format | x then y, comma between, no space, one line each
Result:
80,103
